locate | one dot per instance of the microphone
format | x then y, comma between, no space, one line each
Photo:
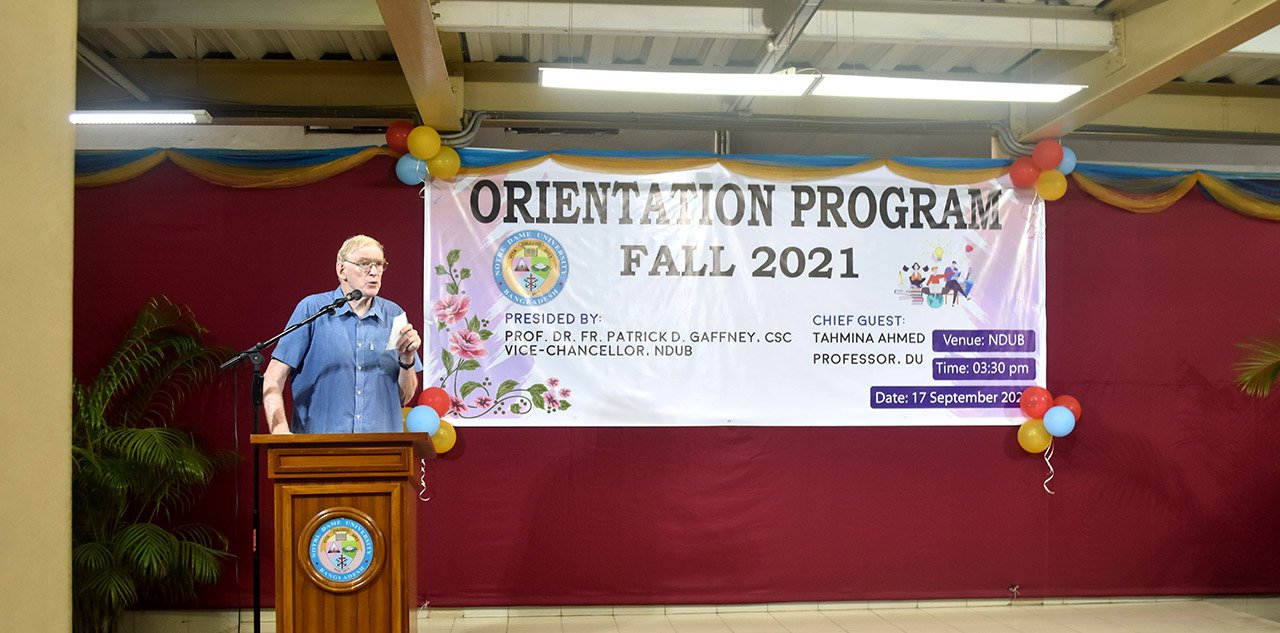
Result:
354,295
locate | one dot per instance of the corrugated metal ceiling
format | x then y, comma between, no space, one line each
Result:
1025,40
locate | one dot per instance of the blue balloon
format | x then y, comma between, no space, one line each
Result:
424,419
411,170
1068,163
1058,421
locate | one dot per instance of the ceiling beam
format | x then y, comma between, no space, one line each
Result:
109,73
1067,29
490,16
1153,47
349,15
412,28
903,22
786,29
1070,29
1206,115
308,90
1128,7
248,83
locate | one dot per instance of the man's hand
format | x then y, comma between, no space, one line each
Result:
409,343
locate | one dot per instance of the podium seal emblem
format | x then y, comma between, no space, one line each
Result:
341,550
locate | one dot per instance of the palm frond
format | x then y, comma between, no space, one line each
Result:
155,399
154,447
202,561
1259,370
147,549
100,496
132,467
203,535
196,561
101,596
92,557
165,339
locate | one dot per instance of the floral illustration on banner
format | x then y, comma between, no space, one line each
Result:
472,394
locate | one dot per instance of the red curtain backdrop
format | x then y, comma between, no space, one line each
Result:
1167,485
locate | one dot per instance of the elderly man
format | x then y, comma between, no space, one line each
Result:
344,377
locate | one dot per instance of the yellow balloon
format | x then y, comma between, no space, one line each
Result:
1032,437
1051,184
444,438
445,163
404,419
423,142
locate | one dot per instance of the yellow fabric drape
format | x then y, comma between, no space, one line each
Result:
1135,202
614,165
1239,200
233,175
257,178
1225,193
123,172
1222,190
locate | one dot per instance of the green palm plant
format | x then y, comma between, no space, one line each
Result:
132,472
1258,371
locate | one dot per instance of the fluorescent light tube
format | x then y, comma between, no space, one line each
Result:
759,85
941,89
140,117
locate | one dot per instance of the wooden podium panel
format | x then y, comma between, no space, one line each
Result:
346,530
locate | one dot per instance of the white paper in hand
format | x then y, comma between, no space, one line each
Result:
397,324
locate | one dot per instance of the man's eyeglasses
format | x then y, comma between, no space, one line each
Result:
367,265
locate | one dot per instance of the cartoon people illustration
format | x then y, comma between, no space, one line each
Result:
917,277
929,285
953,284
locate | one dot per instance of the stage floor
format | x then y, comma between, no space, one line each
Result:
1096,615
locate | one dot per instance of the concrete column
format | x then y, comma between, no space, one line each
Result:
37,44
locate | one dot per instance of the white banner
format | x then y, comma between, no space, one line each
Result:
568,297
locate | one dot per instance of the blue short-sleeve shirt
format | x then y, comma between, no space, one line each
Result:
344,379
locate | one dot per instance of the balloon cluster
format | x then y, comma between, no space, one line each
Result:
1045,170
1050,417
422,153
426,418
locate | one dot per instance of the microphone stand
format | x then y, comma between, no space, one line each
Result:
254,356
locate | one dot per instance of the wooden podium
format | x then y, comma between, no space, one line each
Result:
346,530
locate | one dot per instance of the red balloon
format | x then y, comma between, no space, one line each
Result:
1035,401
436,398
398,136
1047,154
1023,173
1070,403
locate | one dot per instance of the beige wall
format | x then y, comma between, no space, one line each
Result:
37,91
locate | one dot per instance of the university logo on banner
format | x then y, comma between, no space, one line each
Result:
530,268
563,296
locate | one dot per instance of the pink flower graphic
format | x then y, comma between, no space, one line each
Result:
456,406
460,339
467,344
452,308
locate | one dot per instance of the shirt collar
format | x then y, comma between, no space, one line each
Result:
374,311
